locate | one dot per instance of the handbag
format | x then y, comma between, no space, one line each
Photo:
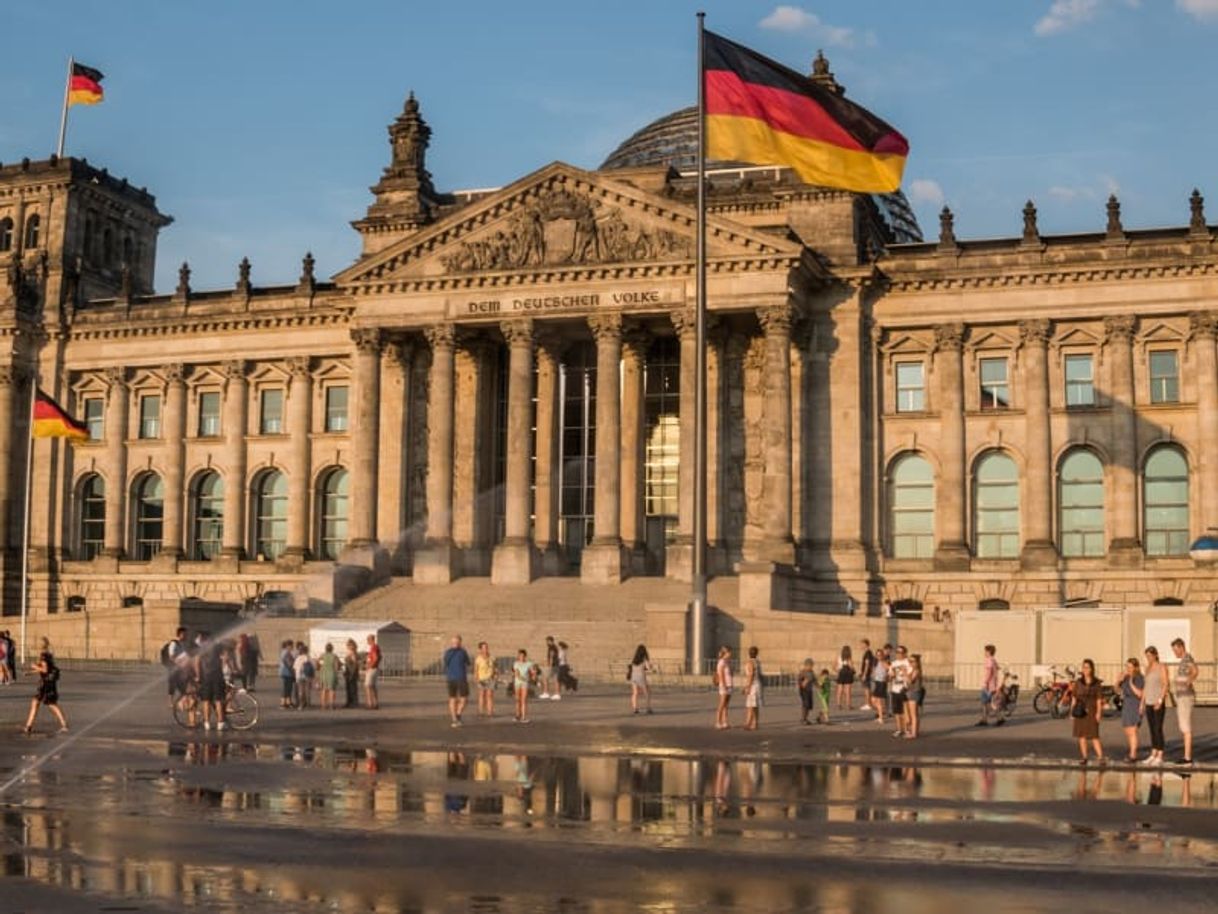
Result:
1079,710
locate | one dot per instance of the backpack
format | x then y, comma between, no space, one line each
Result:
166,655
307,669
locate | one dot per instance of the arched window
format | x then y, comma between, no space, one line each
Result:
1165,502
149,514
911,500
207,516
92,516
270,515
32,226
1080,491
334,491
6,234
996,507
994,604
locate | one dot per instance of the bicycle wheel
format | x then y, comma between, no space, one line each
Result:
1042,703
186,712
1008,706
1061,705
242,710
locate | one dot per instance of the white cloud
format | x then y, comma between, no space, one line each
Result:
1066,14
794,19
924,190
1199,9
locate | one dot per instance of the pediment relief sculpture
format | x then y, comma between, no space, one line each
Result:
561,227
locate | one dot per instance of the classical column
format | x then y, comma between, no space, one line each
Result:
716,559
679,559
116,461
1203,330
8,393
951,499
777,544
1037,491
634,355
396,368
545,473
235,421
174,436
1125,549
365,434
300,401
602,560
512,560
434,563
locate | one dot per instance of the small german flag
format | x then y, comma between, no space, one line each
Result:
84,87
52,421
761,112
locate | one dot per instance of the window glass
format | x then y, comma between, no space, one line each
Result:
6,235
334,502
336,409
1165,497
996,508
1080,385
271,515
149,517
912,507
995,389
1164,377
209,414
662,450
271,414
1081,505
150,416
92,517
911,392
95,417
208,517
32,226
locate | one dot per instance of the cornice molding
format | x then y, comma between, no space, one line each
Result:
1051,277
237,323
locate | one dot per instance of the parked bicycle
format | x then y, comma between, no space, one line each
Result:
1053,697
1003,700
240,708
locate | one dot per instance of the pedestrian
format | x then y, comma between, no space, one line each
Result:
1131,685
48,689
550,672
723,682
824,690
1186,696
753,688
456,663
176,659
303,667
640,666
484,673
523,672
808,684
566,679
4,679
866,670
1154,697
1085,708
879,685
989,686
372,672
209,674
287,673
845,679
327,676
351,673
915,695
10,656
898,683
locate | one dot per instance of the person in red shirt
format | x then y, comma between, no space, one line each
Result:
372,672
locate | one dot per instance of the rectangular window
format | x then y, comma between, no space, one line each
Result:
150,416
911,390
271,415
336,409
95,411
1080,381
209,414
995,388
1164,377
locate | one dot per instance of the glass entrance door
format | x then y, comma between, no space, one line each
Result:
577,483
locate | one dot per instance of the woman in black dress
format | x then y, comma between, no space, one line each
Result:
1085,710
48,689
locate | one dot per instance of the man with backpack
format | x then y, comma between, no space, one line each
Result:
175,658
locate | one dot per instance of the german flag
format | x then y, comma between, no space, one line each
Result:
52,421
761,112
84,87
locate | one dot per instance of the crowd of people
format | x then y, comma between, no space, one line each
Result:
523,678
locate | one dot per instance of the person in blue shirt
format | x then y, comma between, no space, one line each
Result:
456,673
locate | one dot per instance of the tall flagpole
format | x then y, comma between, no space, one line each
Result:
697,623
25,525
63,117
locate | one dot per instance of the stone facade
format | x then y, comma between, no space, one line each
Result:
501,386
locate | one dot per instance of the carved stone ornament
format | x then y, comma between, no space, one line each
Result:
947,229
441,336
1031,233
8,374
561,227
243,274
684,322
606,327
398,353
1196,213
175,373
775,320
1119,328
116,376
183,289
518,332
1036,331
635,342
949,337
234,370
367,340
299,366
1115,229
1202,325
550,344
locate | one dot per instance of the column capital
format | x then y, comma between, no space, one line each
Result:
776,319
234,369
549,343
116,376
518,332
1202,324
399,352
1119,328
13,374
635,341
949,337
300,366
1035,331
174,372
606,327
441,336
367,340
684,322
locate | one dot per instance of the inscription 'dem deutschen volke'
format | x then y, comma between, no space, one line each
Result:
563,302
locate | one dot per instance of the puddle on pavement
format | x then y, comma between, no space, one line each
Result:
112,831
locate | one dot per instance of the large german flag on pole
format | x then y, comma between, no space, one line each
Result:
759,111
52,421
84,85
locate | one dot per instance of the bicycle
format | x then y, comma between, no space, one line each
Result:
1003,701
1049,699
240,708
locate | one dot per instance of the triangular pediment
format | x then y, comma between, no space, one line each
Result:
1160,332
560,218
991,339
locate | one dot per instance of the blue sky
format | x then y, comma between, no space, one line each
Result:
260,125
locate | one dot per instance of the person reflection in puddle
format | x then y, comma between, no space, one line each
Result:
723,786
1154,796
